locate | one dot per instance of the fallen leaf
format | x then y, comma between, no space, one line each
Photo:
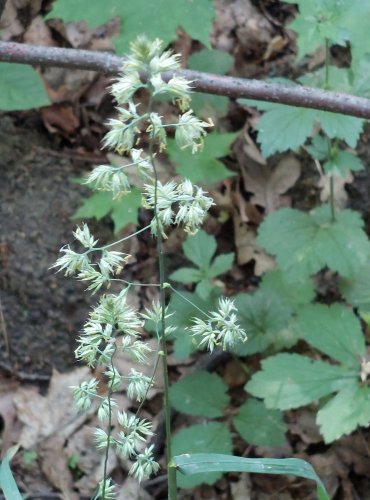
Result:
60,118
269,184
131,490
38,33
54,413
247,248
340,193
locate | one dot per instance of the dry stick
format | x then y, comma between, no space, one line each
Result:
305,97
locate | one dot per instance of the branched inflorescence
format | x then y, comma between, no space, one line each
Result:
113,325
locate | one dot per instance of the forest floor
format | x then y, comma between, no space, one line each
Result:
42,153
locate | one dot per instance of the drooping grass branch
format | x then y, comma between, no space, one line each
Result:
300,96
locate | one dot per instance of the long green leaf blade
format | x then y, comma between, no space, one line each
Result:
213,462
7,481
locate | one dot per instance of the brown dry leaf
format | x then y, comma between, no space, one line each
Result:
67,84
52,414
354,452
233,375
60,118
54,464
303,424
331,469
8,413
9,23
269,184
275,46
247,248
242,489
38,33
340,193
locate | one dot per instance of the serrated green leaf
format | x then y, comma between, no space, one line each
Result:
211,61
289,381
221,264
159,19
338,126
7,481
200,248
346,411
294,295
356,290
186,275
318,21
200,394
335,331
266,319
318,148
214,437
21,88
260,426
343,163
200,463
304,243
203,167
285,127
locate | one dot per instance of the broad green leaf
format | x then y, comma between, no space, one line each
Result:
319,20
159,19
204,288
214,437
98,205
338,126
126,210
356,290
200,248
265,317
304,243
211,61
294,295
7,481
186,275
260,426
200,463
123,211
289,381
221,264
201,394
204,167
342,163
21,88
346,411
285,127
335,331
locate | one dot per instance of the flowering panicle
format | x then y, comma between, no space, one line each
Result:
220,328
113,326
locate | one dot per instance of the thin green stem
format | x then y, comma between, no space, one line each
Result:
187,300
119,241
172,487
327,85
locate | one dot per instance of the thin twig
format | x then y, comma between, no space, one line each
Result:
4,330
104,62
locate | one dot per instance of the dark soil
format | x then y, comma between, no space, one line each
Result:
41,311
